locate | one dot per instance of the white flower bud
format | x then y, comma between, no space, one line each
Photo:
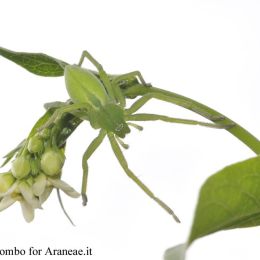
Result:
52,162
21,167
6,181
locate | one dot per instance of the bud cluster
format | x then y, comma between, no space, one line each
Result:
35,171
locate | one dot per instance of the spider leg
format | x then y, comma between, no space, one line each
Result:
120,157
139,103
60,111
89,151
133,74
153,117
145,98
121,142
118,93
102,74
138,127
125,77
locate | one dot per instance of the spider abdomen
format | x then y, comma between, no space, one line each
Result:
84,87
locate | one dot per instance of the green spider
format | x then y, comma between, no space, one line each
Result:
100,100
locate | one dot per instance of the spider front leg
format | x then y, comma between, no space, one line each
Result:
120,157
59,113
89,151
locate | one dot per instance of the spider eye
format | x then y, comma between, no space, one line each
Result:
119,127
121,130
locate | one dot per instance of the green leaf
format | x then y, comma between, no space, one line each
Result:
12,153
175,253
37,63
229,199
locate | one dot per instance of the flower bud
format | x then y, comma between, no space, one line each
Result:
52,162
39,184
6,181
35,145
21,167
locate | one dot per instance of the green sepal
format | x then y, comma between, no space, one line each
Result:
35,166
37,63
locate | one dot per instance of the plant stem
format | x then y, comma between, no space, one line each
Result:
239,132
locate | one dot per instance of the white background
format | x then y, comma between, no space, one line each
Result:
207,50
